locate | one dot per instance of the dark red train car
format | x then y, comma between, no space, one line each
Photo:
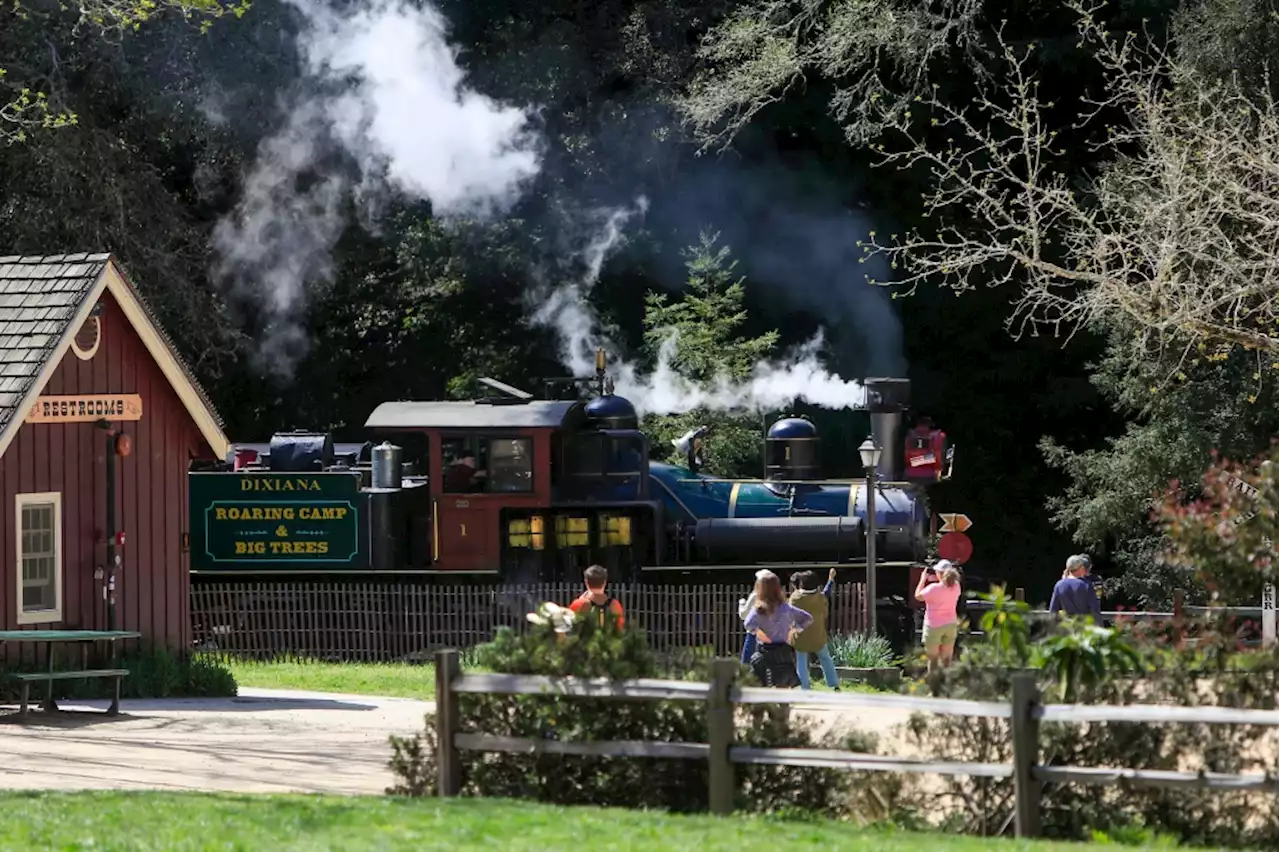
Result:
99,420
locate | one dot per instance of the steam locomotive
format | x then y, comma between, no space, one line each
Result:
535,490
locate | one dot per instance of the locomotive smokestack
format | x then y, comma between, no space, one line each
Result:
886,400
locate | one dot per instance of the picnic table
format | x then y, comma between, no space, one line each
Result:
54,638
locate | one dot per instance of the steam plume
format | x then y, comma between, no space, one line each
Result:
389,97
385,109
567,310
772,385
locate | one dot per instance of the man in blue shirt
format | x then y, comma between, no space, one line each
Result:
1074,595
1090,577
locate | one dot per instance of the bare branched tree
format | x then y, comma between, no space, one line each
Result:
877,52
1178,234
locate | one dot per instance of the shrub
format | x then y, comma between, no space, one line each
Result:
1083,655
861,651
1209,673
1227,537
154,672
590,650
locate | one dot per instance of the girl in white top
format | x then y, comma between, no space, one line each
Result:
745,605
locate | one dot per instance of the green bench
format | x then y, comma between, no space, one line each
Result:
25,681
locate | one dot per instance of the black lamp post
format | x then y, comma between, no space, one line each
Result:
870,462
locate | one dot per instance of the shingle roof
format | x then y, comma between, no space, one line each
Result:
39,297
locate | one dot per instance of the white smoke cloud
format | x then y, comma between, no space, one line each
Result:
385,90
282,234
567,310
392,97
407,114
772,385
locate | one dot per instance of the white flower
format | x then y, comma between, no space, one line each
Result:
561,618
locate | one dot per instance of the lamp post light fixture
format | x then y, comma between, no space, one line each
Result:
871,463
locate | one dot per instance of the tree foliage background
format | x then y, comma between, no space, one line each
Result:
1150,228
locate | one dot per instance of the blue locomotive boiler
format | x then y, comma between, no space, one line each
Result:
795,516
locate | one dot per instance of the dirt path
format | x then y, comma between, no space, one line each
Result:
264,741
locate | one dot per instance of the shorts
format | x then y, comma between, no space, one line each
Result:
937,637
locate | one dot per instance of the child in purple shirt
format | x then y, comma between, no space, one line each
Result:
773,621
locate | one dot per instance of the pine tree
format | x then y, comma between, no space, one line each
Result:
708,320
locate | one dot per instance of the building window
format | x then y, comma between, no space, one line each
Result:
39,550
475,465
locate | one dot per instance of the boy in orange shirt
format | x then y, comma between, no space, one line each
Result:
595,597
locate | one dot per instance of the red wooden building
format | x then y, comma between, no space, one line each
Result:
99,419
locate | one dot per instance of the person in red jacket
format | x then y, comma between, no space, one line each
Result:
596,599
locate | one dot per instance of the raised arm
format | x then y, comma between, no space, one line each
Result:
924,581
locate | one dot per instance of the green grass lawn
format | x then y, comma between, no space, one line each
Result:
392,680
194,822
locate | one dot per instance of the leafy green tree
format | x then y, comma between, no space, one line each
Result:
709,346
1178,412
28,105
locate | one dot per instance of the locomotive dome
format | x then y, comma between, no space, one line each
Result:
791,428
611,412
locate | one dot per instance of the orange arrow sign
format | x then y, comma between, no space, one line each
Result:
955,523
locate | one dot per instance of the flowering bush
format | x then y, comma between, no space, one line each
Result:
1227,537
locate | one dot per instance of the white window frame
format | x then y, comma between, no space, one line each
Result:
42,616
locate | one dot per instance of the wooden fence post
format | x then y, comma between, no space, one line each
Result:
448,765
1179,601
1026,754
720,780
1020,595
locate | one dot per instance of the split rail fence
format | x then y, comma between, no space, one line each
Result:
380,622
1024,711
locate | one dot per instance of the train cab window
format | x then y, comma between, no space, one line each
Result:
601,465
465,465
475,465
510,465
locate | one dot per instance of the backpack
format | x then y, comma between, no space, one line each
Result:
603,608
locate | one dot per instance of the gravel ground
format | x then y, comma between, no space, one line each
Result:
266,740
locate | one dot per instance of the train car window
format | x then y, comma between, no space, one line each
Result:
465,465
510,465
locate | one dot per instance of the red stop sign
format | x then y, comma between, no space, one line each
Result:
955,546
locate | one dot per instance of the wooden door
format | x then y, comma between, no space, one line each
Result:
463,535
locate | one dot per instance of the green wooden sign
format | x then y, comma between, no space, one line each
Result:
276,521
